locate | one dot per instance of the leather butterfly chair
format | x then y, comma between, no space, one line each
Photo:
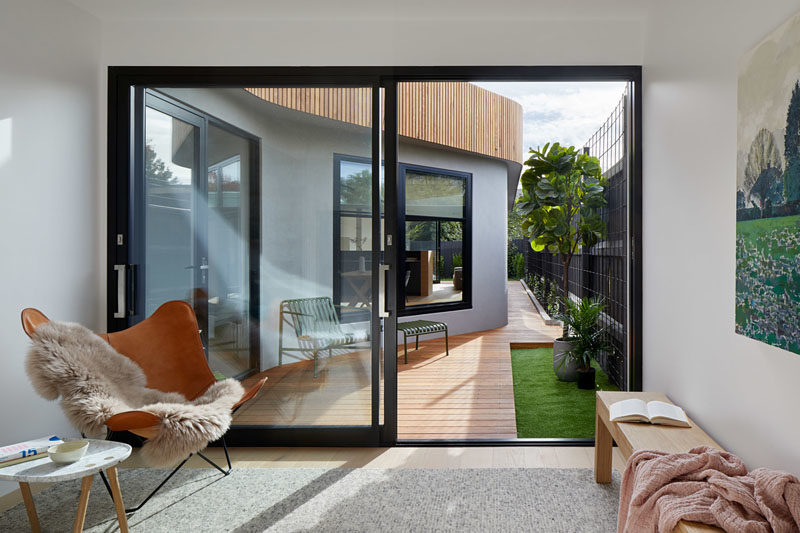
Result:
172,329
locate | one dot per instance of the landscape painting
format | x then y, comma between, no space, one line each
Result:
768,190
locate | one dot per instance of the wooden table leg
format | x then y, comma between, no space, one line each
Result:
116,493
602,451
83,503
27,497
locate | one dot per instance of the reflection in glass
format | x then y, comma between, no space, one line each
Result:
353,288
170,173
315,350
434,195
228,250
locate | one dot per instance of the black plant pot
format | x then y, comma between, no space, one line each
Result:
586,379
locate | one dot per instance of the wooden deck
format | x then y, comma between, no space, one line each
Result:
468,395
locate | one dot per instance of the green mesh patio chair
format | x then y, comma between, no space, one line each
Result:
317,328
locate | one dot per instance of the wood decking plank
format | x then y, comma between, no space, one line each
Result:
468,394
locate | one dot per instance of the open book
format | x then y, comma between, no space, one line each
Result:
635,410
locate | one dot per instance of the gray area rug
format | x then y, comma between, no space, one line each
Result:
341,499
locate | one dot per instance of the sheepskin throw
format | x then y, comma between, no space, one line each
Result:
95,382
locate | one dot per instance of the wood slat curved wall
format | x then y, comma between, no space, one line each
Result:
454,114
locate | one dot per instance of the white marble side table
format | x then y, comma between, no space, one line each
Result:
101,455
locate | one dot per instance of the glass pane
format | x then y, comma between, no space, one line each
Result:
228,253
170,171
354,217
434,262
317,360
421,235
434,195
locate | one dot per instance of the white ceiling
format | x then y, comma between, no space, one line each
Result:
364,9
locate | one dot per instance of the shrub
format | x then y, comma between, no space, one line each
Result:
519,266
562,193
511,250
457,261
582,320
552,298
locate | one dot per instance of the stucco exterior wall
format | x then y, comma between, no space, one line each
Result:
297,152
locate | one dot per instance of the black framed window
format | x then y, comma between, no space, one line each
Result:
435,240
435,211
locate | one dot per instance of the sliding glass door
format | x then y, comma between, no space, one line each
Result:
231,209
300,211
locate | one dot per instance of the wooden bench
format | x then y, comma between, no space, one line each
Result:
632,436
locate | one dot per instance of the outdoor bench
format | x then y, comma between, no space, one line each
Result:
415,328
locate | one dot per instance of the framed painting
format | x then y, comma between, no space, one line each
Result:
768,190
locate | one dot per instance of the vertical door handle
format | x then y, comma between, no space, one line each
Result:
382,311
121,285
131,294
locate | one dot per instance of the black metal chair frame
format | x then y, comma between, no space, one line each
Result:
110,434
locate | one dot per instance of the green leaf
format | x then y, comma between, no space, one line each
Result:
537,246
563,189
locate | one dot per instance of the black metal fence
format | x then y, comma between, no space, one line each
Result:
449,250
601,271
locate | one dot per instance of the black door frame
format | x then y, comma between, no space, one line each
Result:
121,83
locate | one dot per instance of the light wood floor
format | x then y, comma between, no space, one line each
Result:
466,395
443,292
405,457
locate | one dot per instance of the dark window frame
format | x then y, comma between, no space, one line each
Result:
466,250
466,242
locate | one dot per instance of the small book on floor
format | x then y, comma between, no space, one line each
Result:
635,410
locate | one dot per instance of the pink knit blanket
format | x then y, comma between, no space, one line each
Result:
708,486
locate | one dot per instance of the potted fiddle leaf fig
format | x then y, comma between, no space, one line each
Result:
587,338
562,193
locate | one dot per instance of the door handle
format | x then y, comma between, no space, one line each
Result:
382,311
121,285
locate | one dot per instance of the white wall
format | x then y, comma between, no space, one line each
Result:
489,228
742,391
51,242
296,196
297,209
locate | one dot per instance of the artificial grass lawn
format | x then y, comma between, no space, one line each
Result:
546,407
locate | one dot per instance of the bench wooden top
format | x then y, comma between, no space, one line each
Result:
631,436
